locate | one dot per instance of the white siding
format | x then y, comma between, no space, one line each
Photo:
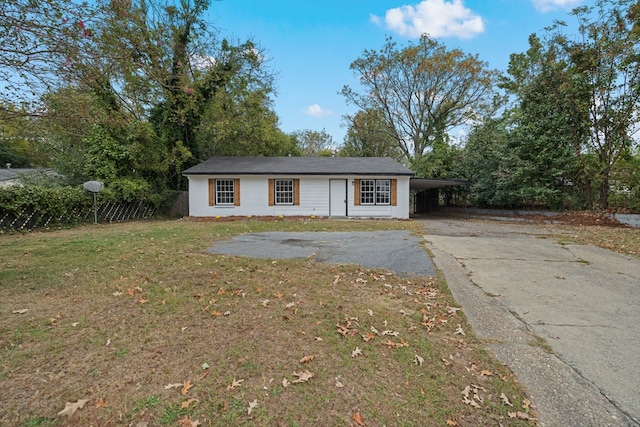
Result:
314,198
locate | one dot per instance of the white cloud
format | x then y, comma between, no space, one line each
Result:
437,18
317,111
549,5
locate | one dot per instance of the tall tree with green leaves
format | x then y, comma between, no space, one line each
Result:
423,91
313,143
368,135
546,124
583,92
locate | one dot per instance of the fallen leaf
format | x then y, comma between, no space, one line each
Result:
185,387
285,383
390,333
339,384
100,403
278,295
368,336
357,352
234,384
485,373
265,303
519,415
307,359
358,419
174,385
451,423
71,408
505,400
117,293
188,422
526,404
252,405
21,311
303,377
459,331
186,403
452,310
205,366
418,360
370,312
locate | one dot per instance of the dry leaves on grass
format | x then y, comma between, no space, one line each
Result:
186,386
358,419
307,359
188,422
303,377
71,407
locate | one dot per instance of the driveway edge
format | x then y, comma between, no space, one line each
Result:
560,394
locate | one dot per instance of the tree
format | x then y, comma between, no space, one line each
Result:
594,82
237,116
422,91
314,143
489,164
545,126
369,136
36,40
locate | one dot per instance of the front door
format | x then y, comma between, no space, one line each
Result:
337,197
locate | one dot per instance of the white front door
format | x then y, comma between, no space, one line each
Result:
337,197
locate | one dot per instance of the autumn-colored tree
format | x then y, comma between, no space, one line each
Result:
422,91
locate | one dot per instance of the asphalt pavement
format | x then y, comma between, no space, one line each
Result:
564,317
396,251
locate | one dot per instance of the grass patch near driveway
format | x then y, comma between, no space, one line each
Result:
139,321
624,240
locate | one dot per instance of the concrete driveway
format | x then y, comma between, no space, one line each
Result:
516,283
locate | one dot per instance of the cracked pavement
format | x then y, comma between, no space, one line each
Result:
525,293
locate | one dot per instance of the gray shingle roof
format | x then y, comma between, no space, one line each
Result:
299,166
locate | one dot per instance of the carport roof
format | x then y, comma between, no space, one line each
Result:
419,184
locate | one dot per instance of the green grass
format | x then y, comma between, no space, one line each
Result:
117,313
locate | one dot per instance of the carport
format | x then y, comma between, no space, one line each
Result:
426,192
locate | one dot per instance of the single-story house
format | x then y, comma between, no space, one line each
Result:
353,187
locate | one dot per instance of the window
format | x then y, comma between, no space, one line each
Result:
383,192
375,192
224,192
284,191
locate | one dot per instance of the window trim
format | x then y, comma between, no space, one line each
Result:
272,192
358,193
280,193
213,192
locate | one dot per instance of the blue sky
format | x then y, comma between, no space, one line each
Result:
311,43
